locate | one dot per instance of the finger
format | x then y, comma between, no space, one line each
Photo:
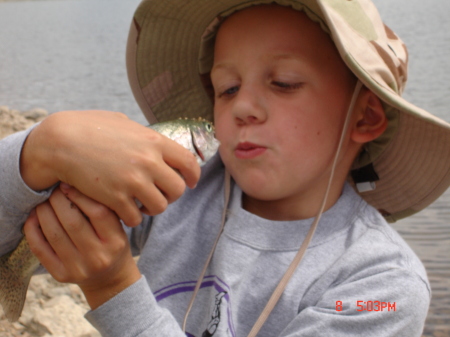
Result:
39,245
54,233
170,183
163,187
153,200
102,220
183,160
74,222
154,188
127,211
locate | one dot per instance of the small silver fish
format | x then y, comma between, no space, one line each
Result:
17,267
196,135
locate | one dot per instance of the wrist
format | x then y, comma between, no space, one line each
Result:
38,157
100,292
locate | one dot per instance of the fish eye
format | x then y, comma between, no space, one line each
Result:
208,127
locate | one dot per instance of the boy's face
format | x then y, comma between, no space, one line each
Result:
281,96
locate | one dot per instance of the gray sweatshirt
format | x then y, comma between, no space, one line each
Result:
358,276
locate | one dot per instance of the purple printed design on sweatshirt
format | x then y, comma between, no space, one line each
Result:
188,286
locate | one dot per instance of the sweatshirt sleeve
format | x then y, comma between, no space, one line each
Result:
16,198
134,313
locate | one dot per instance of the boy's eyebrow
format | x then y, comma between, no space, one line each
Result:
275,57
222,65
280,57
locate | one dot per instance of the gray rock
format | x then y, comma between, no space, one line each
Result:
12,121
35,115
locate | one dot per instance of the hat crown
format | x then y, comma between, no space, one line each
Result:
361,35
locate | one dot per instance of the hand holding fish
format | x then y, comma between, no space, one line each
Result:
109,158
122,162
81,241
119,158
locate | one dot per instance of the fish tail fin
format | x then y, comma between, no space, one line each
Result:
13,286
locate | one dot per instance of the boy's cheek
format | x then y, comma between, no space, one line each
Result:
221,129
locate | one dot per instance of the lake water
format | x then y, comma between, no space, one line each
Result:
70,54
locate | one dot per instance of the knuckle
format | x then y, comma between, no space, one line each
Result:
159,206
178,188
145,161
121,200
35,249
121,245
98,212
130,215
136,220
53,237
101,263
156,207
73,226
62,275
155,137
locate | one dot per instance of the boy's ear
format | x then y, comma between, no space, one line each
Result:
371,119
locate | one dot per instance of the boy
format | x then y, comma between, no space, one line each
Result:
283,100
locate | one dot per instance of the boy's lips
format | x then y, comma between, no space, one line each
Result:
248,150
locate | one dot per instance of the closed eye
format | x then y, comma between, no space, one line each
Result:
229,92
287,86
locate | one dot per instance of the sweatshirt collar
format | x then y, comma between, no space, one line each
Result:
264,234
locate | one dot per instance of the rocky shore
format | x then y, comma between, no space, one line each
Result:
52,309
14,120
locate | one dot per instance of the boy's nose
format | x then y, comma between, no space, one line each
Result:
249,108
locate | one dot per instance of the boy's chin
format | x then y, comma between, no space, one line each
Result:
260,191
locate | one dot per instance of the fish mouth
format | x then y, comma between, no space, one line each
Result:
197,150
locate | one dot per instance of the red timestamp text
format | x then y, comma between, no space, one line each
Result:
370,306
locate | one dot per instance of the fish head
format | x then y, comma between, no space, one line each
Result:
203,140
196,135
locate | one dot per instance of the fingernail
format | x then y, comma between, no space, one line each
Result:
64,187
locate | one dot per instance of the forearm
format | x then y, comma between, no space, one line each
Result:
16,198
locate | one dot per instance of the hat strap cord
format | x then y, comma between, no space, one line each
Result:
227,184
301,252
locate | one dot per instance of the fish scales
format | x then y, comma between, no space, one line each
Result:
17,267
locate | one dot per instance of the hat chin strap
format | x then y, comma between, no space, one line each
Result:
301,252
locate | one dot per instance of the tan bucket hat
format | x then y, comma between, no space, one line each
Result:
170,53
